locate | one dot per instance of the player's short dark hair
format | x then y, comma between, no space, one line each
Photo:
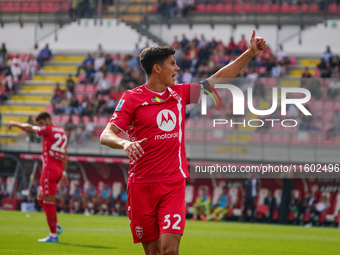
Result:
43,116
154,55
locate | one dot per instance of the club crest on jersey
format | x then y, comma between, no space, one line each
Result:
139,232
120,104
166,120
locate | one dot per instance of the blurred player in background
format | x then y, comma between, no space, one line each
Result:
202,204
54,167
222,207
153,116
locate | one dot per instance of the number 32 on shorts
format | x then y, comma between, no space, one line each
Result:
175,225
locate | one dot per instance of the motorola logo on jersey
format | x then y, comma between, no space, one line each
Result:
166,120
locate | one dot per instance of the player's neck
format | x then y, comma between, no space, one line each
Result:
155,86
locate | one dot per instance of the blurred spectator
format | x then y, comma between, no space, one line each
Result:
202,204
89,199
32,66
231,46
293,111
270,203
63,196
294,205
99,51
3,50
109,63
251,77
123,201
104,196
242,45
327,55
319,208
76,204
307,121
79,131
306,73
136,52
99,104
281,53
86,108
6,80
259,90
32,194
313,85
333,88
73,106
70,128
277,70
44,55
88,131
104,84
325,69
35,51
3,190
84,65
305,205
335,61
187,76
89,73
99,61
70,84
16,71
57,93
335,129
3,93
184,41
223,205
249,188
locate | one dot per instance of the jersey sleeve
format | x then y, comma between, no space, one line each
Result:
122,115
43,131
191,92
195,93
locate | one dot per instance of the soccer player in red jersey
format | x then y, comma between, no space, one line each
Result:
153,116
54,167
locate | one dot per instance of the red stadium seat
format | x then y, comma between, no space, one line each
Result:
304,7
228,8
200,8
257,7
11,7
328,106
219,8
294,8
238,7
285,7
247,7
265,7
333,8
313,8
274,8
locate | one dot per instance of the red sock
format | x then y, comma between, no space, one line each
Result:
51,215
41,202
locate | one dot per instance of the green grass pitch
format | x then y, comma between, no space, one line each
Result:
111,235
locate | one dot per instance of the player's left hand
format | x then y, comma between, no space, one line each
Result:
257,44
64,180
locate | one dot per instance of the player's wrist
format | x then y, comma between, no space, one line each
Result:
65,173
